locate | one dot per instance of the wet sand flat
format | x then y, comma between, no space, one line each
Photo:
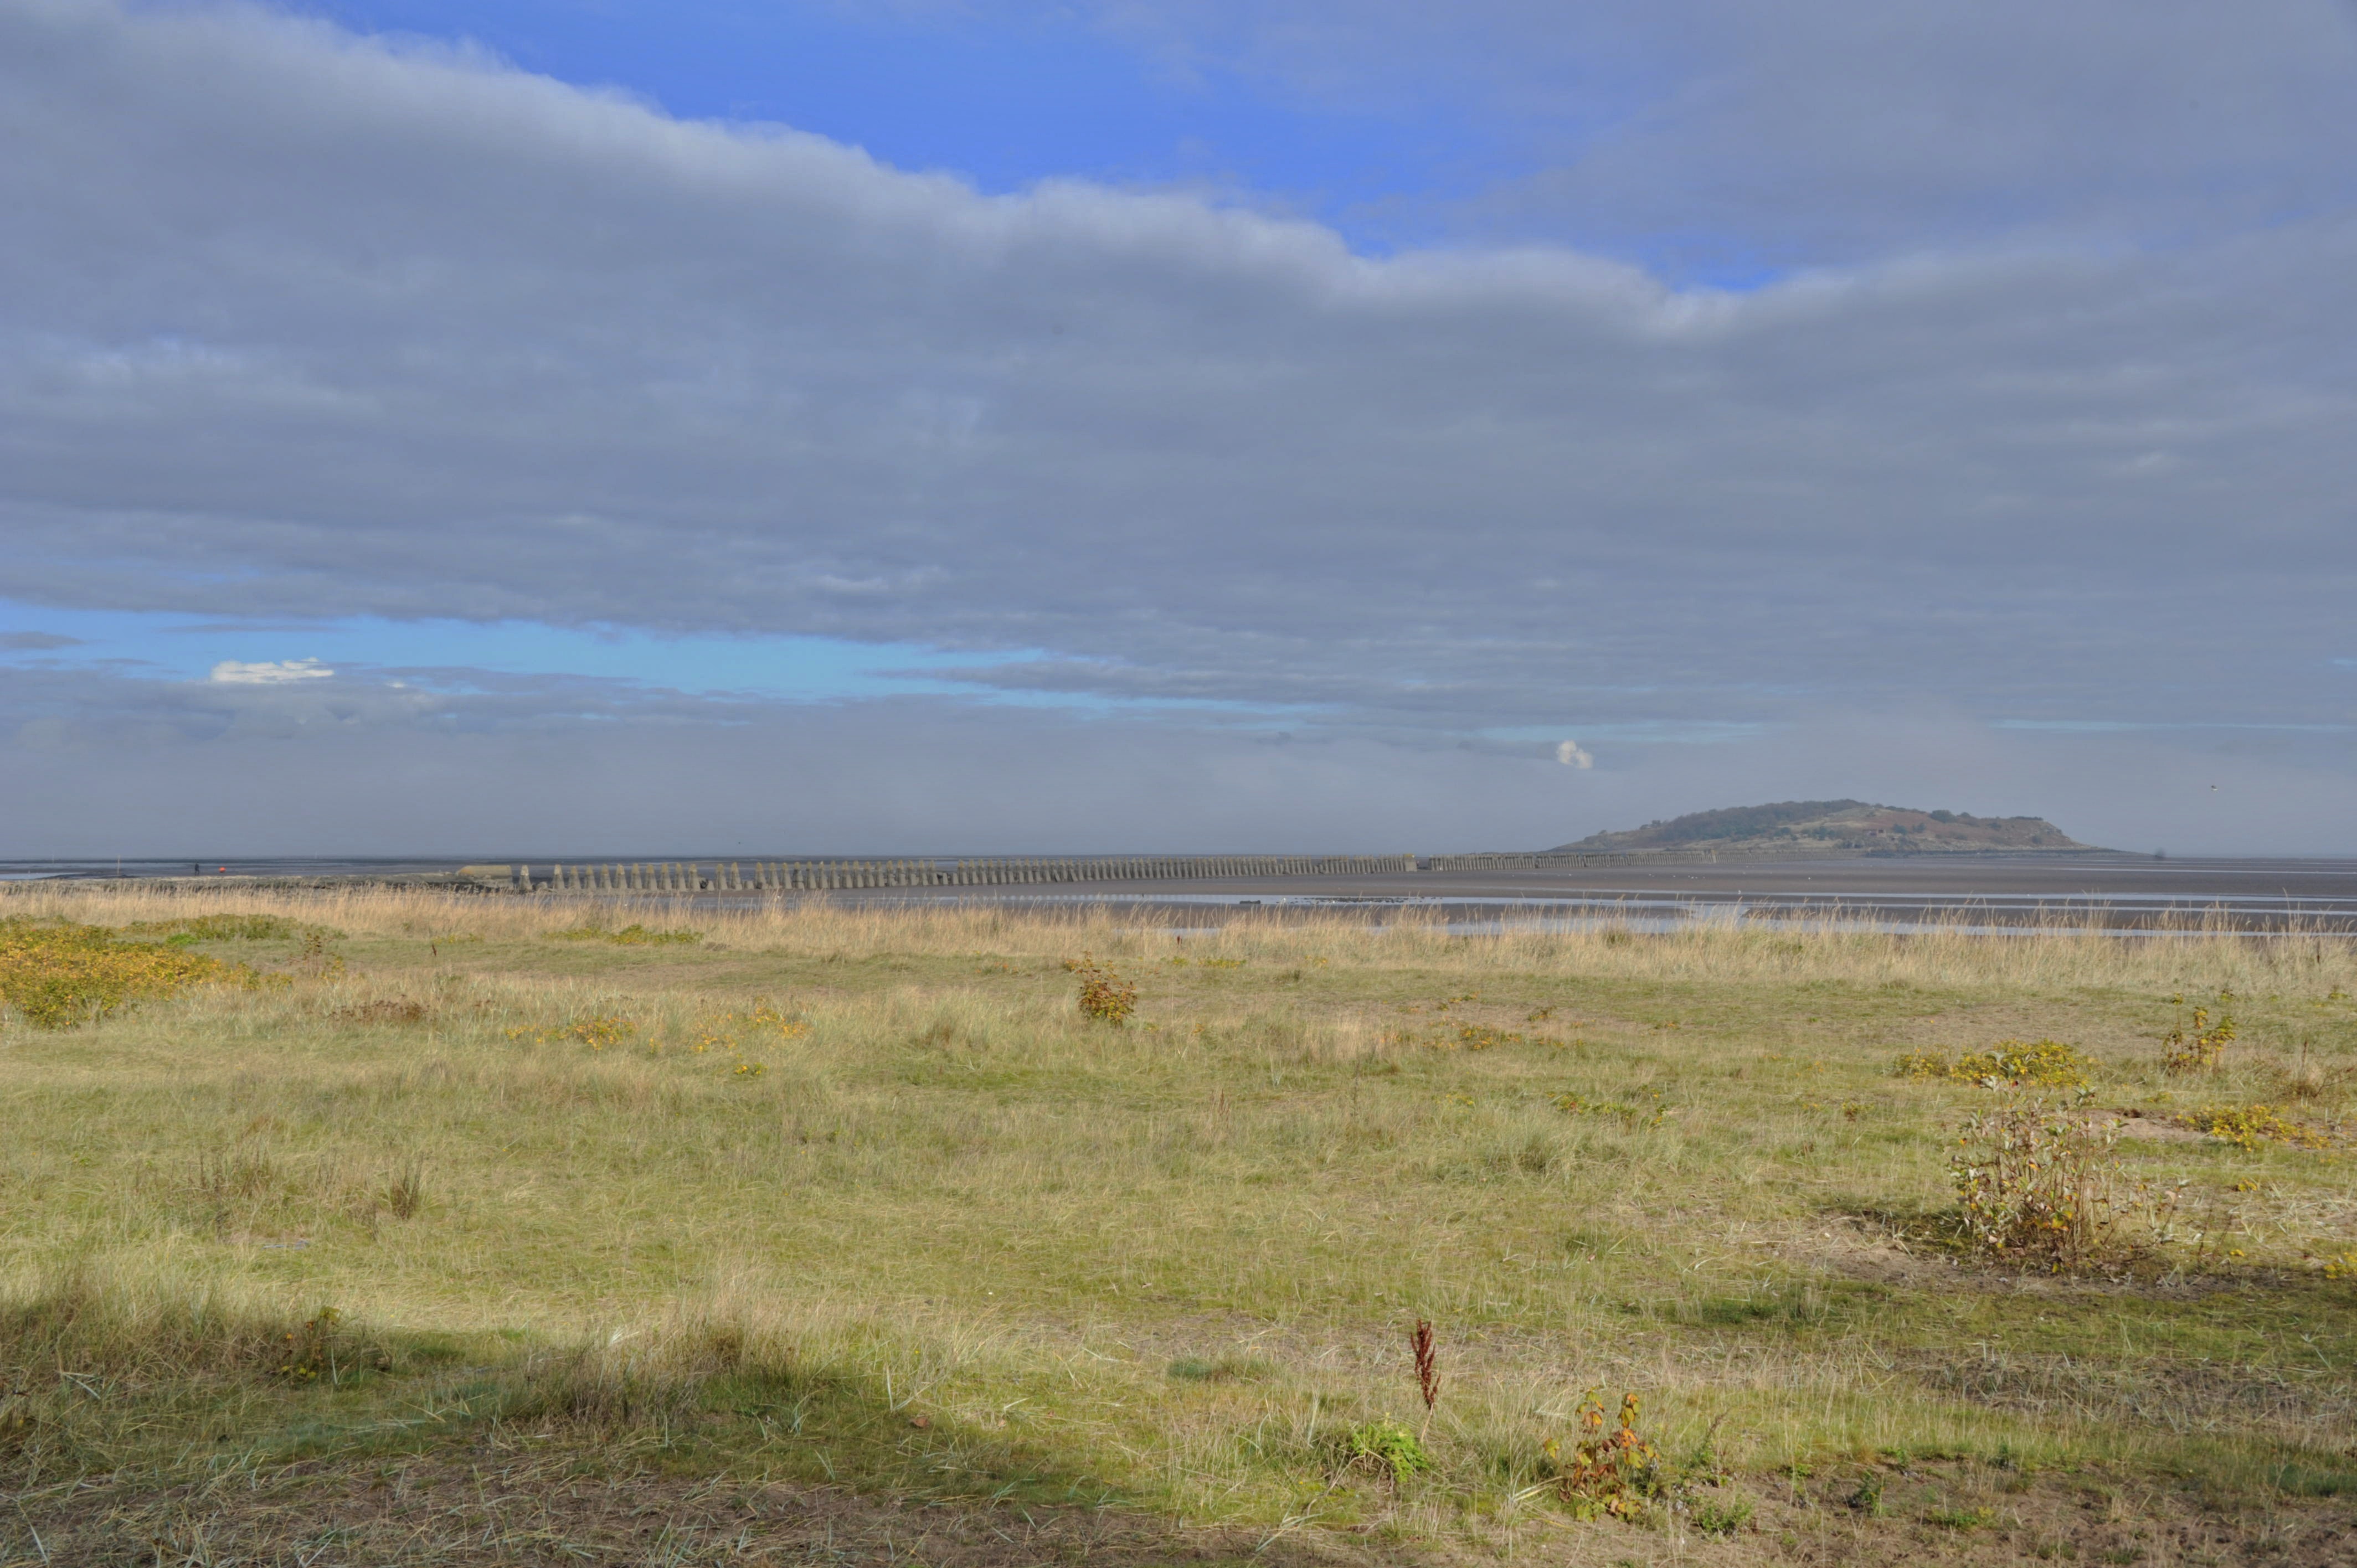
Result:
2119,891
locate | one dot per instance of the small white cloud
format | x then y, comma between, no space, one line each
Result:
1570,755
2150,463
279,672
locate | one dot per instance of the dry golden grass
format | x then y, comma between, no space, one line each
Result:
859,1196
2207,951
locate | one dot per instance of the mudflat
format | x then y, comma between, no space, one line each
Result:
2123,891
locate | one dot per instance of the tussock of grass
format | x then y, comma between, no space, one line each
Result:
130,1326
863,1196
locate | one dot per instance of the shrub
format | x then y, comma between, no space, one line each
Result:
2248,1126
311,1350
2042,1064
1386,1448
2198,1050
764,1023
1718,1520
597,1031
1105,995
313,959
1615,1472
2009,1064
2039,1185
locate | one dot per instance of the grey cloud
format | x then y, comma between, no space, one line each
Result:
295,326
35,641
1820,131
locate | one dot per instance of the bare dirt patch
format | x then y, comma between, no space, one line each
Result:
549,1509
2134,1123
525,1509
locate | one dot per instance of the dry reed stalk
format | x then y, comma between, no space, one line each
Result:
1427,1372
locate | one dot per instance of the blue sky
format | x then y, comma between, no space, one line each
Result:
446,655
1004,103
1172,423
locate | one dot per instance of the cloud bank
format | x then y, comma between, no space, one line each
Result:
297,324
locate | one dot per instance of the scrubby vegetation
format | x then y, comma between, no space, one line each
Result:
2013,1064
57,972
841,1207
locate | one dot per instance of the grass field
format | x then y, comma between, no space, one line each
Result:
488,1230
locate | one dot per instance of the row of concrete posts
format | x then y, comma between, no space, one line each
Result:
800,876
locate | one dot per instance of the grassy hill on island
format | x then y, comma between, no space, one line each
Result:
1834,824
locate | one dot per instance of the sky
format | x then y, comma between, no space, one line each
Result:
567,427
